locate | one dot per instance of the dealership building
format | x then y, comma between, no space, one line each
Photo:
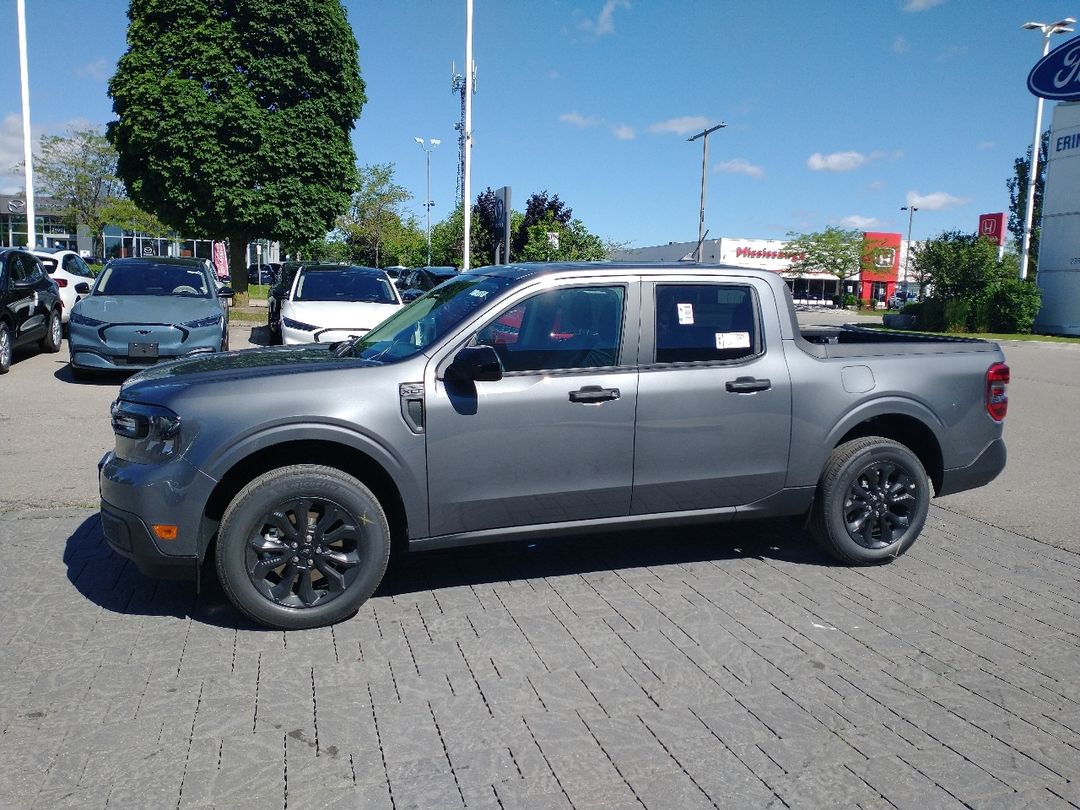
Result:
879,280
53,230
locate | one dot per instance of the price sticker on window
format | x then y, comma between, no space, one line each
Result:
686,314
733,340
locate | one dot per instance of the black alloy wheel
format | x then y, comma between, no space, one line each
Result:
872,501
302,546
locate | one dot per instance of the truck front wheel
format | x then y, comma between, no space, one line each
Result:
871,502
302,546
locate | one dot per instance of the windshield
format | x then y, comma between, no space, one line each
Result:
429,318
145,278
344,285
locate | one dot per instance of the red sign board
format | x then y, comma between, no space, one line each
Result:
992,226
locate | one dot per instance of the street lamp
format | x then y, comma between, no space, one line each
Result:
427,202
911,209
1048,30
705,133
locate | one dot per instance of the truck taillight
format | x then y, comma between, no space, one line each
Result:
997,397
60,282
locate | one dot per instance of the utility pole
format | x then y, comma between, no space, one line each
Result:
704,173
466,188
28,163
427,202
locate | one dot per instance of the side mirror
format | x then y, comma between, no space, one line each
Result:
226,292
82,288
475,364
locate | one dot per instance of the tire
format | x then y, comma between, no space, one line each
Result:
5,348
54,334
225,338
273,326
871,502
292,580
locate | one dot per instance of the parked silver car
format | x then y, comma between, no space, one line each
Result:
144,310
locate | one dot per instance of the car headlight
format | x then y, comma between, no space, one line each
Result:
83,320
212,320
306,327
155,429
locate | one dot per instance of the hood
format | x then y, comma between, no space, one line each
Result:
339,314
170,309
245,364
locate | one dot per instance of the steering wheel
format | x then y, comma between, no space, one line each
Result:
184,288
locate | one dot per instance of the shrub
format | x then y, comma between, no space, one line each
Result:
955,315
1012,306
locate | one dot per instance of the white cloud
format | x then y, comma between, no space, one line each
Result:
937,201
836,162
605,22
624,132
900,44
859,223
739,166
95,70
680,126
921,5
579,120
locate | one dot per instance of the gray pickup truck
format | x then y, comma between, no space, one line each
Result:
531,400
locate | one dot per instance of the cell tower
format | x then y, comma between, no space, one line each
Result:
457,85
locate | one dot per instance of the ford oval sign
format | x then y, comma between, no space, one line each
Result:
1057,75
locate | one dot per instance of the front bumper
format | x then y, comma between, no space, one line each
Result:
135,497
981,471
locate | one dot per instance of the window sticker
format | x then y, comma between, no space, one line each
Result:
686,314
733,340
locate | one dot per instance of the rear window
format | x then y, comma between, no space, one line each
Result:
705,323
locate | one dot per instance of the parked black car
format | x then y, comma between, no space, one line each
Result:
264,273
30,308
419,280
282,284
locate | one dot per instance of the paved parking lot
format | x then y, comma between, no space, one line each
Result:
719,667
725,667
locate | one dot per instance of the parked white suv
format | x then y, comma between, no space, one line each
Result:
68,269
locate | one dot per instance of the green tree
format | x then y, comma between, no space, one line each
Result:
540,209
836,251
79,170
552,241
971,290
233,118
1017,186
375,213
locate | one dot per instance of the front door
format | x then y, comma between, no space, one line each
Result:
714,400
553,440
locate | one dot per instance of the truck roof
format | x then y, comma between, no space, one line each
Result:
523,270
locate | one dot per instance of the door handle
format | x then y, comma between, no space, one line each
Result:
747,385
594,393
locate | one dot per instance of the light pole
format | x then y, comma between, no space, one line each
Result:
427,201
1048,30
704,163
911,209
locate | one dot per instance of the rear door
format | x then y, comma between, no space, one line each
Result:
553,440
23,299
714,398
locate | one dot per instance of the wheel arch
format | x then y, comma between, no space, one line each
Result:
350,460
909,431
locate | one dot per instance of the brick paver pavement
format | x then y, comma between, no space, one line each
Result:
728,666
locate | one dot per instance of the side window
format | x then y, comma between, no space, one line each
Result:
16,268
705,322
577,327
34,270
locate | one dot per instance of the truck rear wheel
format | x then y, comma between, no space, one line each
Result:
302,546
871,502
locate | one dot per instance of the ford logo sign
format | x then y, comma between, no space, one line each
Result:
1057,75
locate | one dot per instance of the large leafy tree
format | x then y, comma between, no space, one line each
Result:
1017,186
540,209
79,170
233,117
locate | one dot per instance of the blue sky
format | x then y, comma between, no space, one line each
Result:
837,113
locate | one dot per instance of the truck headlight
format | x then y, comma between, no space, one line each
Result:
154,429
